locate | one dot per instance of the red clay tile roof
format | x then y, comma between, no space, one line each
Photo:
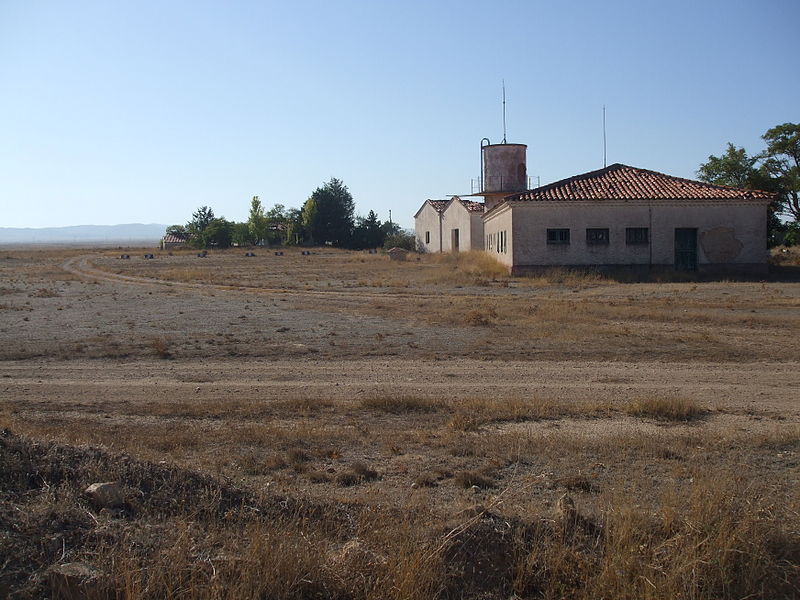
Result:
171,238
472,206
621,182
438,205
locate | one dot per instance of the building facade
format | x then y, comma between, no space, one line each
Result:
428,226
462,225
625,216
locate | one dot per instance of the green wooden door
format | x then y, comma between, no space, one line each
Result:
686,249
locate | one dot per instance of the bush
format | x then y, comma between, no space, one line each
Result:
403,239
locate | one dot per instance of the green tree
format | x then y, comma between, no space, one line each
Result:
179,230
218,233
738,169
782,163
295,231
277,224
390,228
328,214
200,219
401,239
240,234
257,221
368,232
308,217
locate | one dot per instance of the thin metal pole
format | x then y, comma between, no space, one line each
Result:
604,136
504,111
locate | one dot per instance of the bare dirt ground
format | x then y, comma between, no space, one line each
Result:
436,384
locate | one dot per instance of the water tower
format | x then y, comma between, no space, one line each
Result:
503,171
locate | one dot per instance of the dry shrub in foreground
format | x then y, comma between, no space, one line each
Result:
472,267
189,536
666,409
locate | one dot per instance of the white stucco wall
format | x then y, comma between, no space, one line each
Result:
728,233
469,225
428,219
500,220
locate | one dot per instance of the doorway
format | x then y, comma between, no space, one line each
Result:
454,240
686,249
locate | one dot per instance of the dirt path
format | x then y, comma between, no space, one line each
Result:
759,386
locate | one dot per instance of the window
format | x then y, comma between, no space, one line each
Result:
597,236
427,237
636,235
558,236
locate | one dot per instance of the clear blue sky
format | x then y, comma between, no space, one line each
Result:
141,111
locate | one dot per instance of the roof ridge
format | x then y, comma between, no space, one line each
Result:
621,181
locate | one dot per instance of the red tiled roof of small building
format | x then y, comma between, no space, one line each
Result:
621,182
438,205
472,206
171,238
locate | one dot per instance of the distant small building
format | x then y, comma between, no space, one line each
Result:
462,225
428,222
172,240
449,225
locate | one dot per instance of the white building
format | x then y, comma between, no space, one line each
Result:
428,222
618,216
624,216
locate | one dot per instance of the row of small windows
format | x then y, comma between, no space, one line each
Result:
497,242
600,236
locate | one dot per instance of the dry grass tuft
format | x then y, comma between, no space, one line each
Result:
160,347
359,472
473,267
400,404
666,409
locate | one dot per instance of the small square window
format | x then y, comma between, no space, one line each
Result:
597,236
558,236
637,235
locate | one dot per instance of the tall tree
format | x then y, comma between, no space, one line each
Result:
240,234
368,232
178,230
200,219
295,232
257,221
218,233
782,162
276,224
329,218
736,168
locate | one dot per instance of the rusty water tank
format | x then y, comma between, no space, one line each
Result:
503,168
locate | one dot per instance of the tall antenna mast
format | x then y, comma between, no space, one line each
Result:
504,111
604,136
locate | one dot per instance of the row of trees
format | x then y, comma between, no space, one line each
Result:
775,169
326,218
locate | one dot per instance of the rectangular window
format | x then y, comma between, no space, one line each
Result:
558,236
427,237
597,236
636,235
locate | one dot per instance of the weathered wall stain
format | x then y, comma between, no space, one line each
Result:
720,244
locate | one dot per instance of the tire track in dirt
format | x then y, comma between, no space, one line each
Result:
81,267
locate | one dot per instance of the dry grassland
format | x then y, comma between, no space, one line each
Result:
342,426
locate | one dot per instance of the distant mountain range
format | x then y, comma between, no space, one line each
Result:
94,234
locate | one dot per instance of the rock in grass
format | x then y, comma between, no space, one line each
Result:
110,494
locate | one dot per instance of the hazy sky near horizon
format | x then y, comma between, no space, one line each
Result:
123,112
